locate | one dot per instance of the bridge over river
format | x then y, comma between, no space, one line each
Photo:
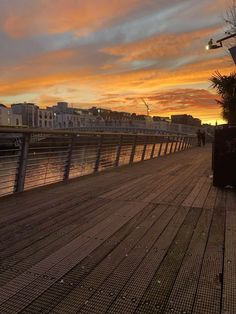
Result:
151,237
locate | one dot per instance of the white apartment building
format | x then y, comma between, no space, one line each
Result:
8,118
45,118
64,120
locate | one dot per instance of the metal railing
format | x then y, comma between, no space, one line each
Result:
33,158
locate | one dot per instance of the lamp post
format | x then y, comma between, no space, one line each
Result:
219,44
211,45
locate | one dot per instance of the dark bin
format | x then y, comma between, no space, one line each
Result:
224,156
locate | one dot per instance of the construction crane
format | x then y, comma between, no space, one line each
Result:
147,106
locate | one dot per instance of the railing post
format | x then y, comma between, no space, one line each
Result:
133,150
118,151
69,158
167,144
144,148
160,148
183,142
179,144
97,162
176,143
172,144
20,177
153,149
186,143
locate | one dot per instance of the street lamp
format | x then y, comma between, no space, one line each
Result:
211,45
218,44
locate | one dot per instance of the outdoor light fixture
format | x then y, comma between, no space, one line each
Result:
211,45
218,43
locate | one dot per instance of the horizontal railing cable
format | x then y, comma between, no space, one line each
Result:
30,158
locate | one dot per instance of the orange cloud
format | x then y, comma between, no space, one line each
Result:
51,57
162,46
46,16
198,102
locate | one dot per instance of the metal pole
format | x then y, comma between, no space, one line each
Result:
167,143
98,154
144,148
160,148
179,144
69,158
186,143
183,142
176,144
20,176
118,151
153,150
133,150
172,143
189,142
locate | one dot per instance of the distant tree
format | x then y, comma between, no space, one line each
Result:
230,18
226,89
230,24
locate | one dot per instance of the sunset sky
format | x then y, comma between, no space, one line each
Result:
113,53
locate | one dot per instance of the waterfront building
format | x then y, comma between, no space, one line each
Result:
29,113
46,118
8,118
66,117
186,119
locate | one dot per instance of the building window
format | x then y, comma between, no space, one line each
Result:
17,122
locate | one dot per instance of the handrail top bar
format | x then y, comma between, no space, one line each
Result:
49,131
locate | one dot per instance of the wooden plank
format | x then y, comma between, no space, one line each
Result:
156,295
193,195
121,255
131,294
209,290
184,289
60,262
124,187
202,196
55,239
229,273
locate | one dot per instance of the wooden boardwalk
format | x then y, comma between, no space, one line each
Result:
155,237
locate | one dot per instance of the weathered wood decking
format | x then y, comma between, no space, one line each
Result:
155,237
